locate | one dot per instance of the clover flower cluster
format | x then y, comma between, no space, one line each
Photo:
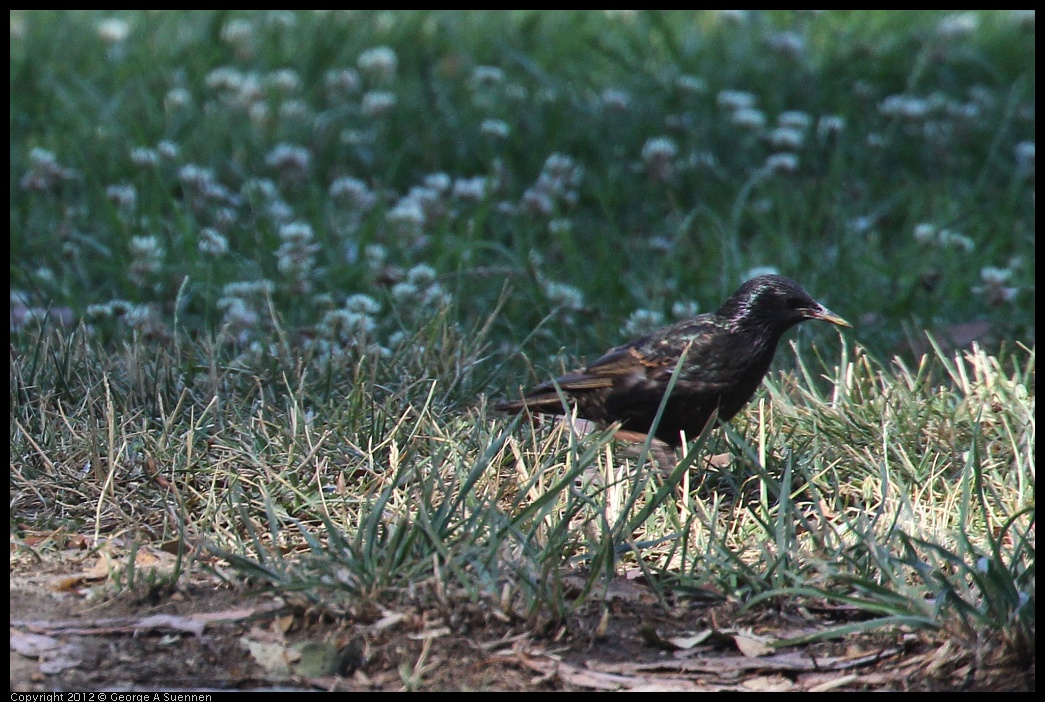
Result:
420,293
352,325
45,174
556,186
926,233
994,287
147,256
243,305
296,256
658,157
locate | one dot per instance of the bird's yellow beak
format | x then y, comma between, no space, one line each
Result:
829,316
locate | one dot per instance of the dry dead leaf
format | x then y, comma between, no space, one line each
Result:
751,646
32,645
768,683
683,643
274,658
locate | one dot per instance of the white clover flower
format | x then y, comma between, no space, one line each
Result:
296,232
258,289
925,233
995,276
749,118
684,309
734,16
295,257
560,226
642,321
907,106
783,162
237,31
555,183
375,256
378,102
562,168
786,138
661,244
788,43
422,275
212,242
407,211
380,63
861,224
144,157
145,319
994,289
346,327
538,202
691,84
758,271
1024,152
495,128
341,82
470,188
794,119
238,315
430,200
293,109
290,159
362,304
946,237
251,91
404,293
435,296
113,309
616,99
828,125
659,149
124,196
563,295
438,182
146,258
259,190
353,191
113,30
225,78
224,217
195,177
168,150
176,99
658,155
958,25
285,80
486,76
45,173
282,19
735,99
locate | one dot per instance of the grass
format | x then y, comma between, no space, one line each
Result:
257,309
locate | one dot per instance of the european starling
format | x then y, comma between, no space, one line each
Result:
727,353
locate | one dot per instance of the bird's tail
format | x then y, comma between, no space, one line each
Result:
543,403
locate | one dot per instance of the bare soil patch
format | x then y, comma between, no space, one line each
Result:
208,636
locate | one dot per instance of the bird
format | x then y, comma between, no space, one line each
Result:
719,358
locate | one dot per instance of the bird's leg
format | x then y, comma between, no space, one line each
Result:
663,454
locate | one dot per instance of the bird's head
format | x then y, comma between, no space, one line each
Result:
775,303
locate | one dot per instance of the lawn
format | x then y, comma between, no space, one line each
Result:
270,270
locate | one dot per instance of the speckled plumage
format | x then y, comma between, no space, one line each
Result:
727,353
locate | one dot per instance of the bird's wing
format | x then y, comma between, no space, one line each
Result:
629,360
652,358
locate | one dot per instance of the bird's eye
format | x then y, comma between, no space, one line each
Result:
795,303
